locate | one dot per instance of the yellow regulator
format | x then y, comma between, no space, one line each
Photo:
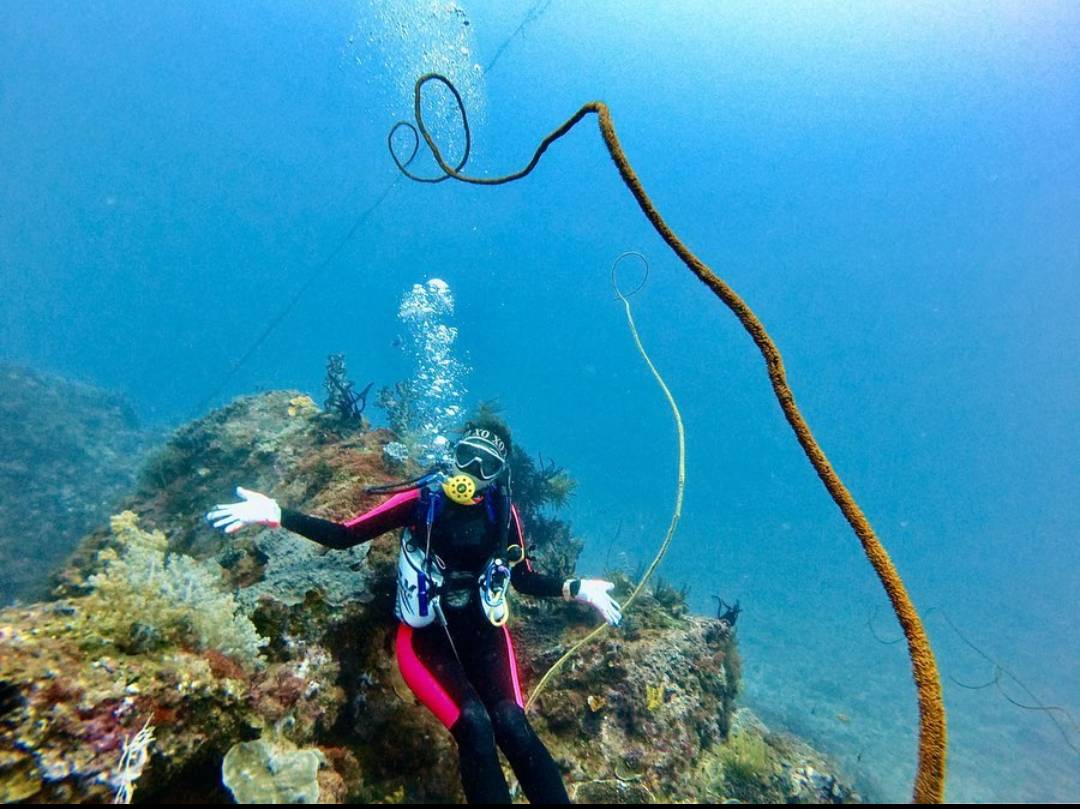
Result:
461,489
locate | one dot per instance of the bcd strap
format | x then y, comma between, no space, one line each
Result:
432,502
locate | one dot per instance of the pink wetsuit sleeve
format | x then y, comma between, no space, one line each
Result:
394,513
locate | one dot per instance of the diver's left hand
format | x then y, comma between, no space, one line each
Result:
595,593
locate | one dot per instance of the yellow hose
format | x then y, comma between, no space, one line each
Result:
679,489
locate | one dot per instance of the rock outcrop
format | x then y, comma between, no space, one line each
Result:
308,687
68,453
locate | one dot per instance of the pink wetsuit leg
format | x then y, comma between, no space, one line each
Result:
422,682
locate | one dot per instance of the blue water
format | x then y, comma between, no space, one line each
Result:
894,188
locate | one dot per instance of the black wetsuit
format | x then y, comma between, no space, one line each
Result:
466,673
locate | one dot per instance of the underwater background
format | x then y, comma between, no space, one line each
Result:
894,189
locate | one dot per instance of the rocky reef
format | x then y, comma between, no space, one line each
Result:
68,452
260,667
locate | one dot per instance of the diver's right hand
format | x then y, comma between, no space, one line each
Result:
256,509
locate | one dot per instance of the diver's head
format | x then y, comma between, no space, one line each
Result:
481,453
479,460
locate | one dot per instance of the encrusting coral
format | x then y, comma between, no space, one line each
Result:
269,771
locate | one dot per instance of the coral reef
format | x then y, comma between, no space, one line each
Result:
662,697
68,713
646,714
756,765
302,458
68,453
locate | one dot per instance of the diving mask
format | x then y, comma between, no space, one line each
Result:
479,458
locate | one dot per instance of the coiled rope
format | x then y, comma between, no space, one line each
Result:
680,487
930,773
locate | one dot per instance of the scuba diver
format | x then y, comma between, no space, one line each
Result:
463,545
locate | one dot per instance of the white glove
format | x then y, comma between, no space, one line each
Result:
256,509
594,592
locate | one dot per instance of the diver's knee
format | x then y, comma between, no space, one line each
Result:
510,722
473,724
